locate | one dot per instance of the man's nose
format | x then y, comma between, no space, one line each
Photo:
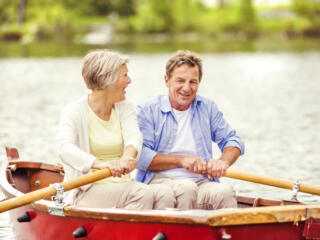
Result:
186,87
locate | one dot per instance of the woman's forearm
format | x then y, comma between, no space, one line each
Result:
130,152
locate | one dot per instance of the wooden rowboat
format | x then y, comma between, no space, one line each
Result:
254,218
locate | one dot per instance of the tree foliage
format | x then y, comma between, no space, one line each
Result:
166,15
246,12
147,16
308,8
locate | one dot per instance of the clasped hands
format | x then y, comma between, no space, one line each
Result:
118,167
215,168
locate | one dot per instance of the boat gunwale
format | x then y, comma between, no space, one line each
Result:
213,218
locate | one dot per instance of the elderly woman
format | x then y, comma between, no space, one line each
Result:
99,131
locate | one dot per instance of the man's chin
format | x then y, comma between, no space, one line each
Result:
184,105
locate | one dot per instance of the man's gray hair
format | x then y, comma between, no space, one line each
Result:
184,57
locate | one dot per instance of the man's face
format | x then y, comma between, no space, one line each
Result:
183,86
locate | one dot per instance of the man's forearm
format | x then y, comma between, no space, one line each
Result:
165,161
230,155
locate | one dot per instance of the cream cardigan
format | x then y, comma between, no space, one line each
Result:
73,139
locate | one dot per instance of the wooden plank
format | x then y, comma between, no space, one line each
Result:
276,214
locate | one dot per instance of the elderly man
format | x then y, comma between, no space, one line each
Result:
178,130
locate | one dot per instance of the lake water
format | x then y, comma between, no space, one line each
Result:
271,99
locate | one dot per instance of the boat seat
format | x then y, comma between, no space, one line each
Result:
10,178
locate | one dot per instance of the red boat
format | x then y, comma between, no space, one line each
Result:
254,218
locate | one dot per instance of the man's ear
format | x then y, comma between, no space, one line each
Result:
166,79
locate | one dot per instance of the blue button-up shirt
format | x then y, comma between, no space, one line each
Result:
159,128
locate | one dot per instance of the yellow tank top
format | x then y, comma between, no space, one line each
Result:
106,142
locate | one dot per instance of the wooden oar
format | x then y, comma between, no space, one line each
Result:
271,181
51,190
101,174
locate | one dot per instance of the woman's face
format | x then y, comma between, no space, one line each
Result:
118,89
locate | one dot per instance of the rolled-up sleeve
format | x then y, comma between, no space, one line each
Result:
146,126
221,131
129,124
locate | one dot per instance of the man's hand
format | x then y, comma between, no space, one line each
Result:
216,168
194,164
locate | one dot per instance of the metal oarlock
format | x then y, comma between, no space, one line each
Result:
295,190
58,198
57,207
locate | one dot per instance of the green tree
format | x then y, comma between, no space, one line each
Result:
9,11
184,14
246,12
308,8
152,16
123,7
165,15
247,20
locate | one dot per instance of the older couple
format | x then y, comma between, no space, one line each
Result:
174,157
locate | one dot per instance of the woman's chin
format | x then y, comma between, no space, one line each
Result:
123,97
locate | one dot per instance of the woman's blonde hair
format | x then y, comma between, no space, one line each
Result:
101,68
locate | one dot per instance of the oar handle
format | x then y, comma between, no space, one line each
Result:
51,190
271,181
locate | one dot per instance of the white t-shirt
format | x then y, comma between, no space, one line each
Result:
184,145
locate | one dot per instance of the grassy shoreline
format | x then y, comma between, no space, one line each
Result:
148,45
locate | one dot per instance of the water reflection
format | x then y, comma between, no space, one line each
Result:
139,44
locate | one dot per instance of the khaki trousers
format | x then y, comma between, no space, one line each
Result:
188,194
130,195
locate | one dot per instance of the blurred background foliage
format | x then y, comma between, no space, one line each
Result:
29,21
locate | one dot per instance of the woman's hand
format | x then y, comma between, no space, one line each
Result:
115,168
113,165
127,164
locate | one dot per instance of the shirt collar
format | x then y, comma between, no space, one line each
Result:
166,105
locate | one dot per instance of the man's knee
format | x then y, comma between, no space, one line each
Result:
217,195
148,194
187,188
229,197
142,193
186,194
163,196
161,190
139,196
